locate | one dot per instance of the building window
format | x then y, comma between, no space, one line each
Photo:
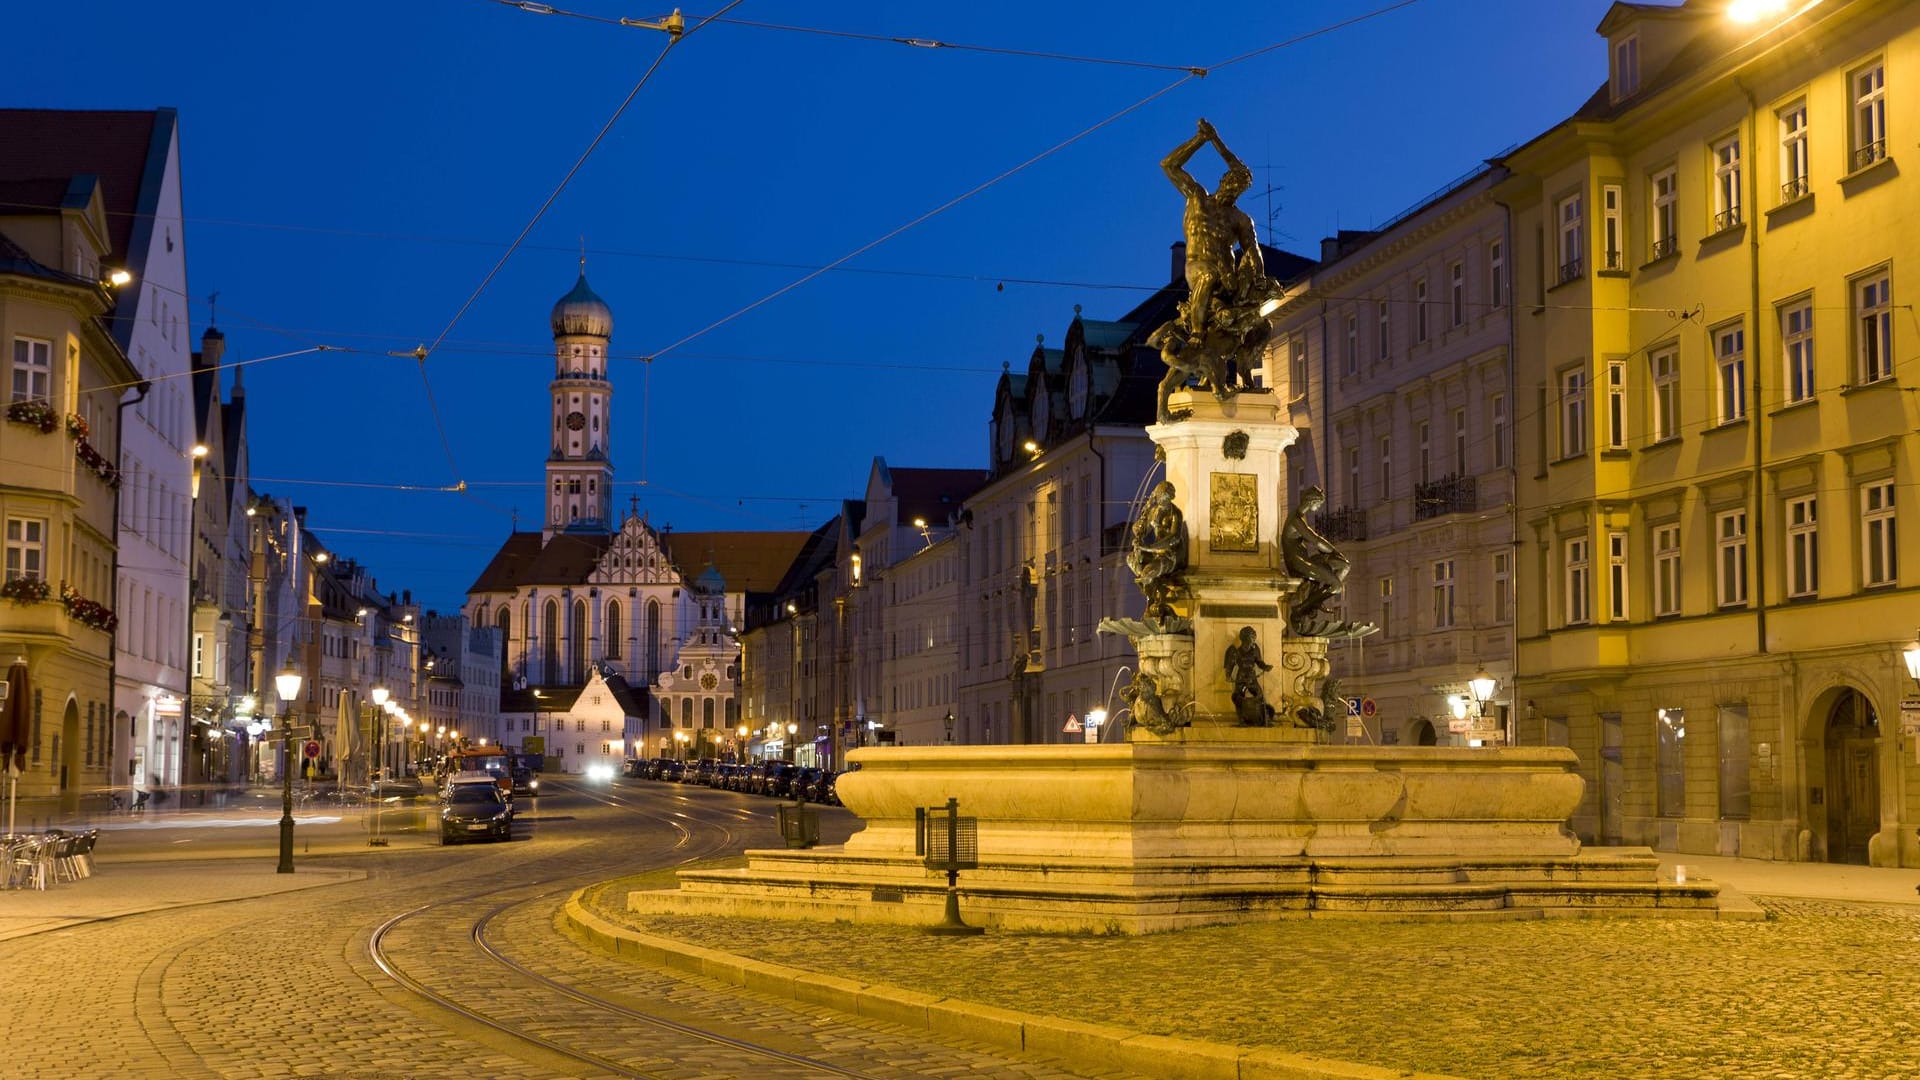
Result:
1496,274
1573,412
1666,395
1386,605
1730,362
1502,586
1498,408
1613,233
1881,563
1666,570
1579,581
1803,547
1443,594
1297,369
1730,538
1873,326
1420,311
26,549
1353,477
199,656
1869,115
1726,183
1626,66
1617,576
1617,404
1353,344
1425,446
1572,243
1457,293
32,370
1670,762
1793,151
1386,467
613,630
1460,442
1666,219
1796,349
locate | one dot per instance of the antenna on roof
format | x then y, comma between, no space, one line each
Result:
583,254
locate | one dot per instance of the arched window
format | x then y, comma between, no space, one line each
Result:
706,712
504,620
653,640
613,630
577,643
686,712
550,643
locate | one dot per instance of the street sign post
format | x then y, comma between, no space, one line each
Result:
312,749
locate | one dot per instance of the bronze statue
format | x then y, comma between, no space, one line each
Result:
1157,552
1244,666
1146,707
1221,329
1214,225
1321,570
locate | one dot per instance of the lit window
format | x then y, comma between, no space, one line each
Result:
1579,583
1617,576
26,549
1613,234
1617,404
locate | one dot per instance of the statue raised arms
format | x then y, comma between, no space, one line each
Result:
1213,226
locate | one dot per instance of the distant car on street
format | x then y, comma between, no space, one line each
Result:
525,783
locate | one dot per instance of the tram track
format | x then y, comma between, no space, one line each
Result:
699,836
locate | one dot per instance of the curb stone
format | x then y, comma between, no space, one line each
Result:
1167,1056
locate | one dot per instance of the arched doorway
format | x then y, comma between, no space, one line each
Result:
1420,733
1852,794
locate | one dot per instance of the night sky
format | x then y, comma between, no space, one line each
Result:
353,172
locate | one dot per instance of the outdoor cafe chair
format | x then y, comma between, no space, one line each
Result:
29,862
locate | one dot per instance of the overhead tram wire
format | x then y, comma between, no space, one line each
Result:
889,39
675,35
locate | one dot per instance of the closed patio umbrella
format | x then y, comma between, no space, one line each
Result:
15,728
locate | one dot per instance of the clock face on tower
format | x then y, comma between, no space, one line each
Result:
708,681
576,420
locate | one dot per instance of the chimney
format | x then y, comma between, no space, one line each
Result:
1179,261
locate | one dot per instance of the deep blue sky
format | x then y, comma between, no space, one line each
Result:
354,169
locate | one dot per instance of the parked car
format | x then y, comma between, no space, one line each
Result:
800,784
776,779
673,770
475,811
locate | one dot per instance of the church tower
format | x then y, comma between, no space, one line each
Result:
580,468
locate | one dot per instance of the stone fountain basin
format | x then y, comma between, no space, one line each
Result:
1222,800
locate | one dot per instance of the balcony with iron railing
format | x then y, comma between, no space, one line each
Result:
1346,523
1726,219
1793,189
1451,494
1665,246
1569,270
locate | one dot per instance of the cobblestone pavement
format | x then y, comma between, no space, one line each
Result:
283,985
1821,989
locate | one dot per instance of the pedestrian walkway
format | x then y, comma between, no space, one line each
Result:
1812,881
119,889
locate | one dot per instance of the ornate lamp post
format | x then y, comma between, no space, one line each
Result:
287,685
947,722
1912,656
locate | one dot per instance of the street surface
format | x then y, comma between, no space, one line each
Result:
292,984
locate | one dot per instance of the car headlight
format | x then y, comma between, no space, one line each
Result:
533,785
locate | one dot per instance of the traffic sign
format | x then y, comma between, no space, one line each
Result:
313,748
1072,725
1353,706
1367,707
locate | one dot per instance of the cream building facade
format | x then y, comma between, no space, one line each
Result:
1716,446
1394,358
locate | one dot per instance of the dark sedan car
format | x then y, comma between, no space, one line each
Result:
475,811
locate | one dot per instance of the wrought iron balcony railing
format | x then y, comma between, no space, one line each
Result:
1451,494
1346,523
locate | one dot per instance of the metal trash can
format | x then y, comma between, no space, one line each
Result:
799,825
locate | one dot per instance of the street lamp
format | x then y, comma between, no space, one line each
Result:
743,731
793,731
947,722
1912,656
1482,685
287,684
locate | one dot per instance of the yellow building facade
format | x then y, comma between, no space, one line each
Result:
1715,434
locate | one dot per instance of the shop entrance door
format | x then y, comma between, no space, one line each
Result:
1853,778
